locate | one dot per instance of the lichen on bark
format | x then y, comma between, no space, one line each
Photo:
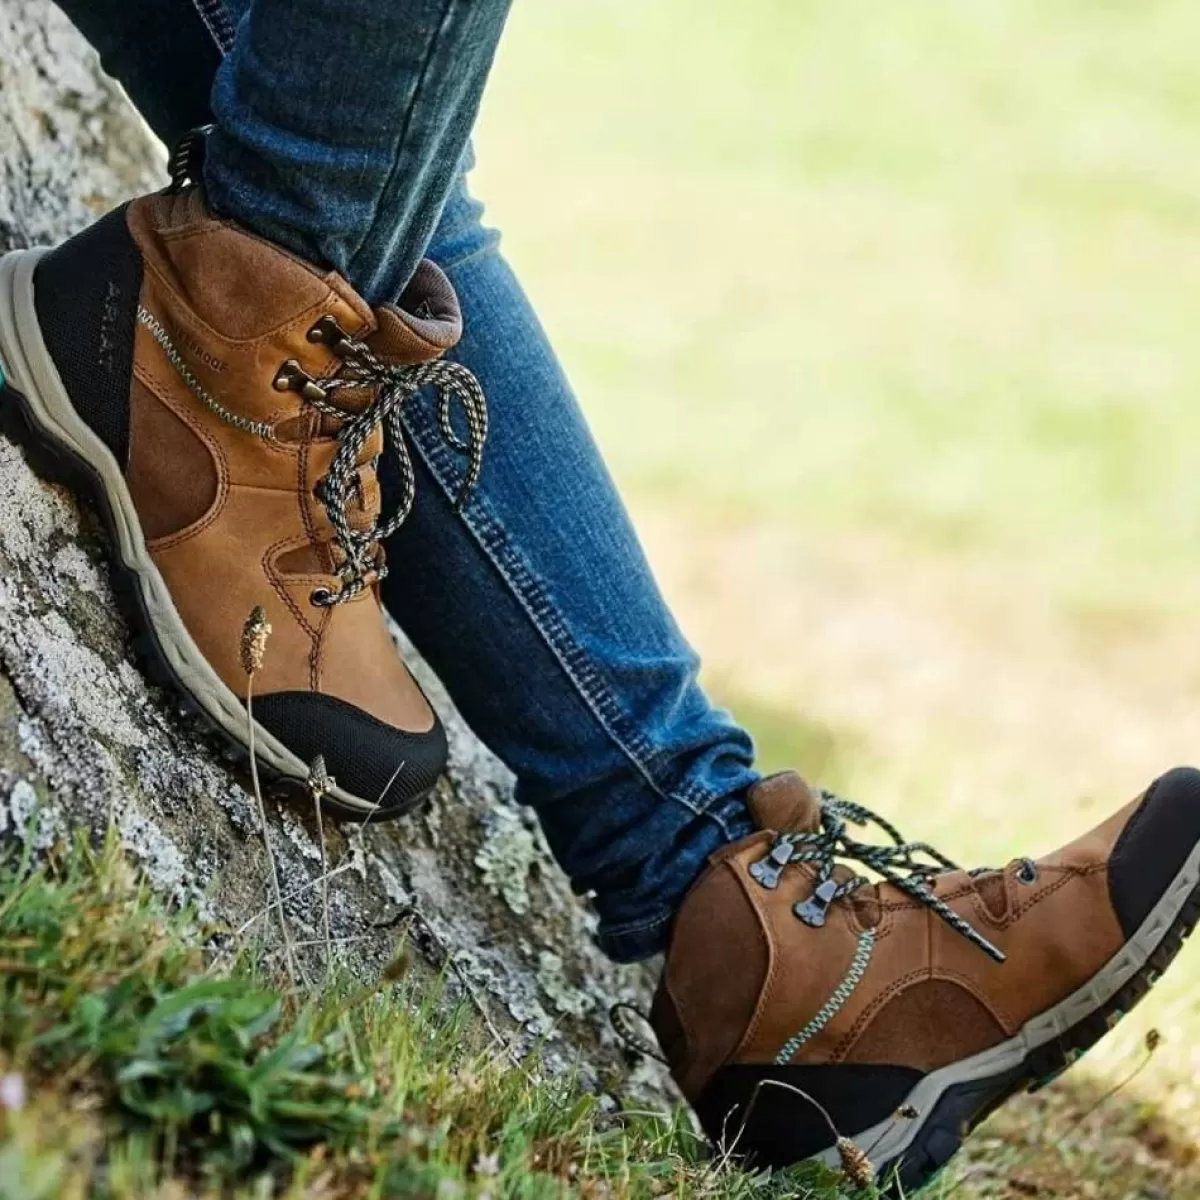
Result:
86,743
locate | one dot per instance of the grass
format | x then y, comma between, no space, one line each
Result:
135,1064
885,318
141,1071
887,258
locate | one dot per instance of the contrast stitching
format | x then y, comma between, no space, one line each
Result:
218,23
272,572
302,476
316,659
394,385
155,328
999,1012
766,992
900,863
1043,893
331,302
836,1001
531,595
894,989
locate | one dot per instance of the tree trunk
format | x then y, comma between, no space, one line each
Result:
85,742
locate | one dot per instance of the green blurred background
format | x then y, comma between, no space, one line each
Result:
886,318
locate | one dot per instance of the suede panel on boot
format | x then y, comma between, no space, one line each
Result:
238,308
234,435
903,976
168,504
910,1029
717,978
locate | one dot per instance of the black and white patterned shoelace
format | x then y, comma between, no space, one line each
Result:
392,386
899,863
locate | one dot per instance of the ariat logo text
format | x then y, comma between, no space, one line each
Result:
110,315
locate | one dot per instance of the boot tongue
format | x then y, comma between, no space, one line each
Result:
421,327
784,803
424,324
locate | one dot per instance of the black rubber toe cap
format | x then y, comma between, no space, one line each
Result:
745,1114
1154,846
373,761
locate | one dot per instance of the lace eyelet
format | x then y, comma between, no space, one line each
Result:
321,597
768,870
813,910
1027,872
292,377
328,332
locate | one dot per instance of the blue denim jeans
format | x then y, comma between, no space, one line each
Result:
342,133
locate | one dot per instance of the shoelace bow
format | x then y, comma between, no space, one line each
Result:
898,863
363,368
393,386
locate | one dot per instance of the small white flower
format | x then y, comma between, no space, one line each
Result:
12,1092
487,1165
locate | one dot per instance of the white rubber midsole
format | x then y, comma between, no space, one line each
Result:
886,1142
31,371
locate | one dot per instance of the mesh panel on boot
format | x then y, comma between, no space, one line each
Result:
361,752
86,296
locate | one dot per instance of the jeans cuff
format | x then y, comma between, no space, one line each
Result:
725,820
637,942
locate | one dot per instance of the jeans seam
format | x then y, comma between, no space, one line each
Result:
697,795
404,132
618,931
217,21
531,595
452,264
704,800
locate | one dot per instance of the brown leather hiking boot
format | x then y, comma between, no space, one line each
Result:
224,404
911,1008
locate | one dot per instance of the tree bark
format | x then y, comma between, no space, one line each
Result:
85,743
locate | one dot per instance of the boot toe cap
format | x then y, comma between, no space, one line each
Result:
1154,848
381,765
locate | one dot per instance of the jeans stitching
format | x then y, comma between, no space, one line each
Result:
624,931
530,594
217,21
453,264
404,132
705,799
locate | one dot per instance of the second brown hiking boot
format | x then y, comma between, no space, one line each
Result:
909,1009
225,404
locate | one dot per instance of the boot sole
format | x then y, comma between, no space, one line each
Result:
63,449
952,1101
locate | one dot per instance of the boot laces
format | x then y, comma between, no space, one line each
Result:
902,863
393,386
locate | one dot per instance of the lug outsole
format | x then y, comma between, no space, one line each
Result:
58,464
962,1107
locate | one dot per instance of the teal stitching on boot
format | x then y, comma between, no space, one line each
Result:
842,993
